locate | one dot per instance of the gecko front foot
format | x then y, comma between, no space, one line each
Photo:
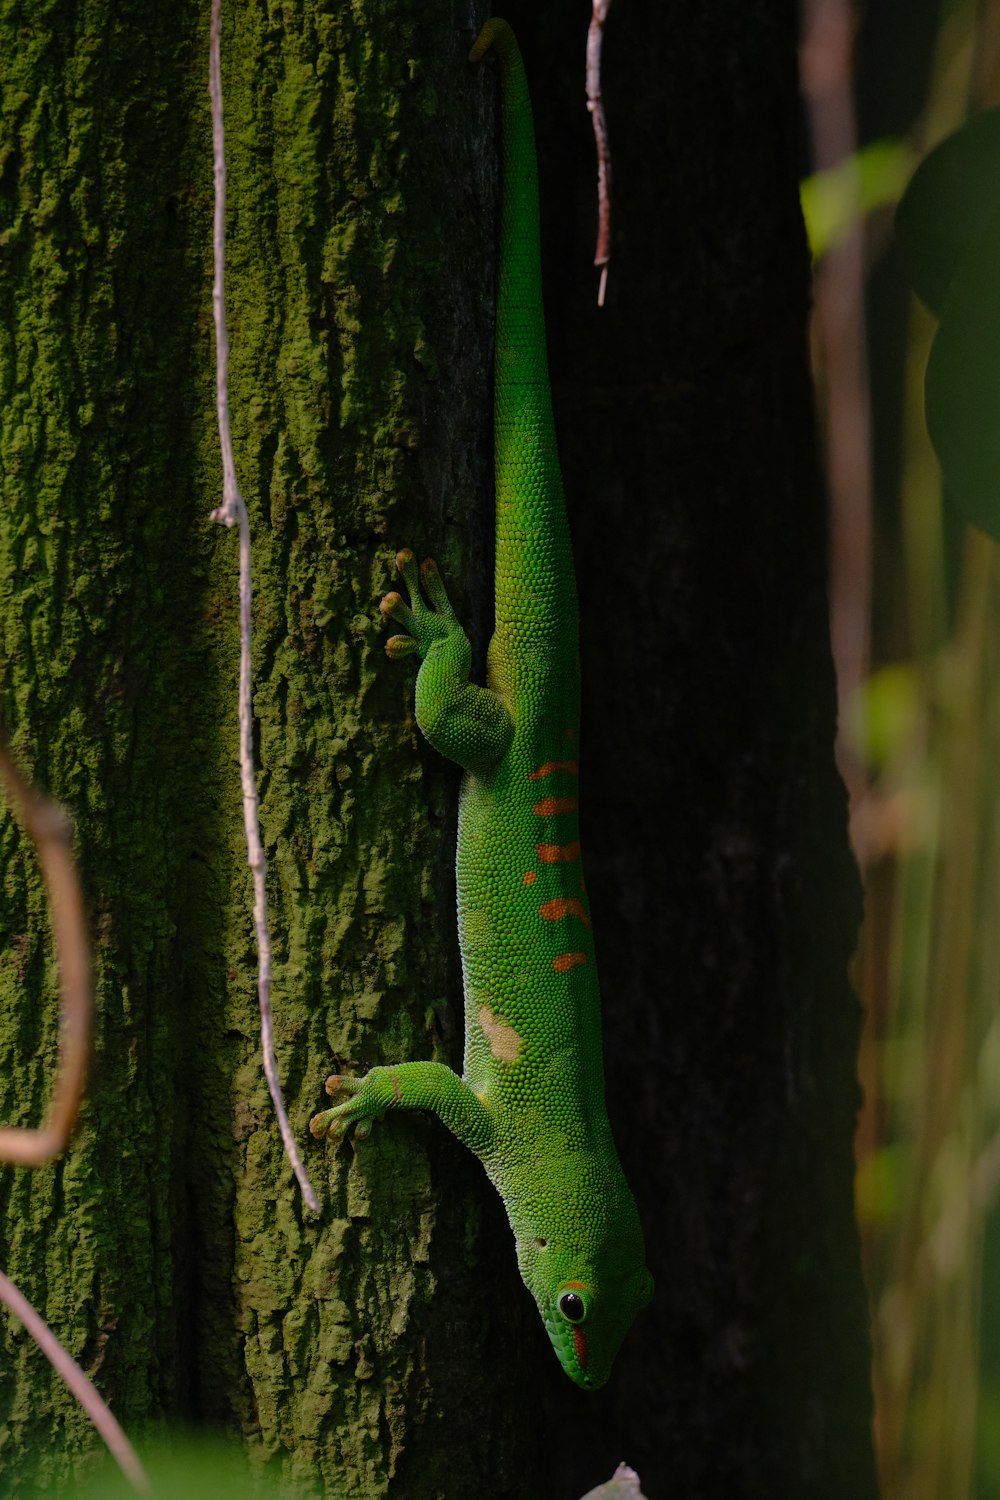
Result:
424,627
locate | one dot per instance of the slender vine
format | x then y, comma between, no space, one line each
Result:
233,512
48,829
87,1394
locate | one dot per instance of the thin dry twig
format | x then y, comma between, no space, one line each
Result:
231,512
595,103
89,1398
48,828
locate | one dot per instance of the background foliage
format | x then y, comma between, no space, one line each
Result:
920,746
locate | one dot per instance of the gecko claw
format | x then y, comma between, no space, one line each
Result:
335,1124
400,645
342,1083
322,1124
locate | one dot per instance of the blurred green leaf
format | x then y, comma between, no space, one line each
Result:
988,1441
878,1186
962,392
887,713
188,1468
950,199
833,200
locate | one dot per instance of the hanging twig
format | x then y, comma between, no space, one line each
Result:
231,512
595,41
48,828
89,1398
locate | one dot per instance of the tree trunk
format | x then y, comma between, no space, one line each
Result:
387,1346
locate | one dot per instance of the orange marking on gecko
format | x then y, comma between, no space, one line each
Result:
570,734
552,766
564,961
550,806
563,906
552,854
580,1347
529,878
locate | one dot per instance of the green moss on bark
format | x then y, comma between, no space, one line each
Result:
169,1249
99,579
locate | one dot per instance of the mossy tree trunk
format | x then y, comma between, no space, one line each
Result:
387,1346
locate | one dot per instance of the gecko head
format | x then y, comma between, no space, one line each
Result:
588,1302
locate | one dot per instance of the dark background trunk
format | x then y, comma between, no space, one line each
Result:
725,900
389,1345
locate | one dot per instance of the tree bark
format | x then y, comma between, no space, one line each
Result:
388,1346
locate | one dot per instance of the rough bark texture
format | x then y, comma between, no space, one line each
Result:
388,1347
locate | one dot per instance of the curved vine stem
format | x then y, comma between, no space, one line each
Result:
85,1392
48,829
232,512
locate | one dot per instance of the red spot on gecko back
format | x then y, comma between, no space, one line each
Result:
550,806
529,878
552,854
552,766
563,906
564,961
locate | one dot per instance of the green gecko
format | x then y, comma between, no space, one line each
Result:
530,1102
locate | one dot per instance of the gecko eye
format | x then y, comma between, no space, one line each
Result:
572,1307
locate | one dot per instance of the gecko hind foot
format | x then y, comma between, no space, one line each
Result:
425,625
366,1100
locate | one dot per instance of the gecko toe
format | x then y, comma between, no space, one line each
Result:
408,571
430,577
392,607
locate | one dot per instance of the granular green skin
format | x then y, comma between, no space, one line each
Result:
531,1101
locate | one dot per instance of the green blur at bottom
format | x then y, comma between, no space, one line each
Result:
188,1468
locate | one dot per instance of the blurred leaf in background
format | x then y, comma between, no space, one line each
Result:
949,227
187,1467
924,724
871,178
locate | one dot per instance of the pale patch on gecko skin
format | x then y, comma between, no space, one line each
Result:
505,1044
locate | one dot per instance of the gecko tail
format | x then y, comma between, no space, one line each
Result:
495,33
